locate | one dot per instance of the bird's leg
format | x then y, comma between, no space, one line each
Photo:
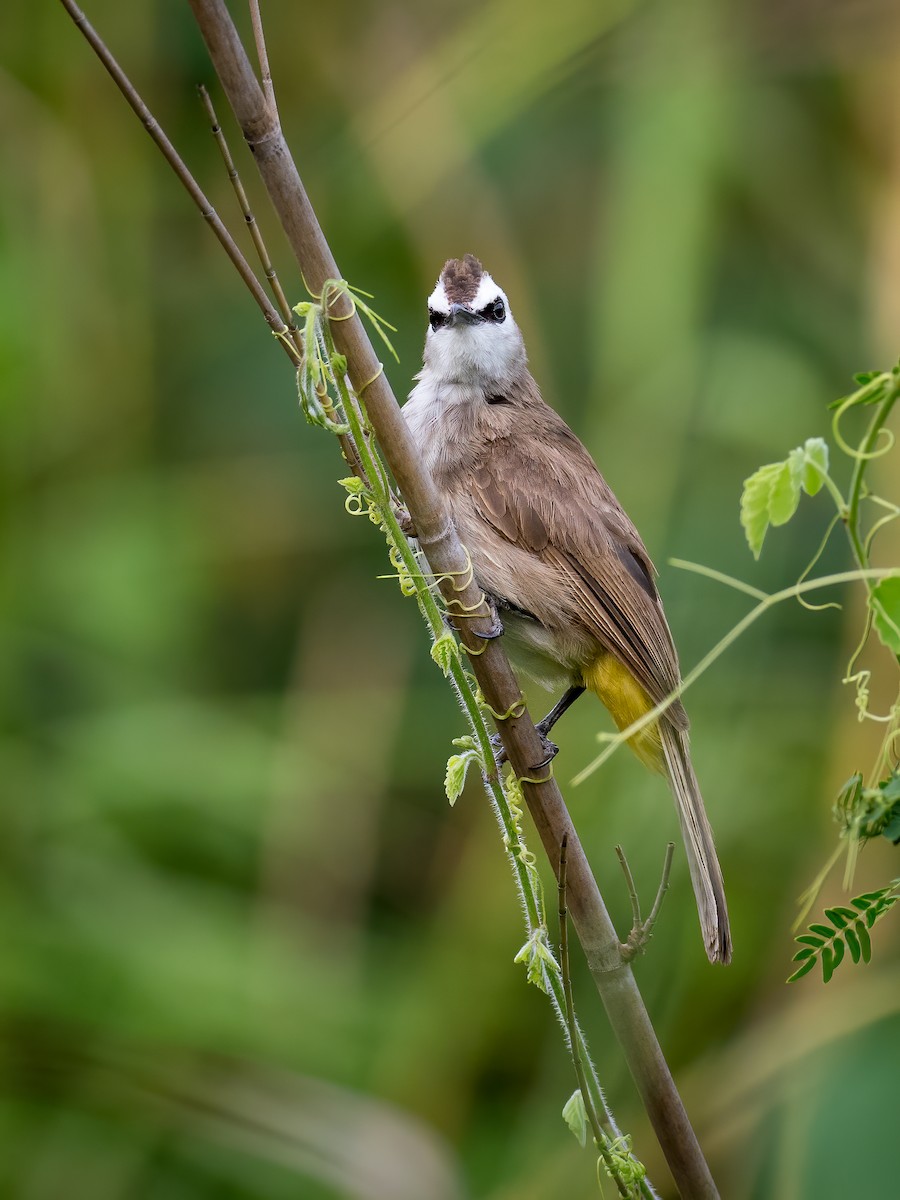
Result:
568,698
543,727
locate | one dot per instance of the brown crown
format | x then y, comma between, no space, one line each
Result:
461,277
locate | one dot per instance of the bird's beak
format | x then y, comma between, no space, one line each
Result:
460,315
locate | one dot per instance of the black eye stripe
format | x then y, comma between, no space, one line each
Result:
495,311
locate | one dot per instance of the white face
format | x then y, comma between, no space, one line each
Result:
475,343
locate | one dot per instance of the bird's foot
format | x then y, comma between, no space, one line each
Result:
496,627
495,631
405,521
500,757
549,751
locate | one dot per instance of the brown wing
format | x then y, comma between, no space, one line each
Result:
573,521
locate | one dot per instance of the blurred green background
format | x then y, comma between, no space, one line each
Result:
248,950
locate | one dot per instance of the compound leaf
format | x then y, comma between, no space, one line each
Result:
771,494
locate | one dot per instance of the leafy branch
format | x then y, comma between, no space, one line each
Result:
849,929
863,809
771,496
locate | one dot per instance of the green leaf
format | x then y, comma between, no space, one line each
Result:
872,394
838,945
824,930
755,505
891,831
801,971
815,466
784,495
575,1116
811,939
455,779
771,494
853,943
352,484
874,897
884,601
467,742
443,650
865,942
804,952
835,916
536,956
828,964
848,794
890,787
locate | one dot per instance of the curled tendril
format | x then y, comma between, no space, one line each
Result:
879,524
356,505
850,451
516,709
807,604
473,653
362,388
283,335
535,779
860,679
893,736
334,288
407,583
515,799
467,574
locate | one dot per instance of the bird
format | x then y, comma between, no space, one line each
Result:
561,564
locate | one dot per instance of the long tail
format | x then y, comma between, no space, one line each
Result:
706,874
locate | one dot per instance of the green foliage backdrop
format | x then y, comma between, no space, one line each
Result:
248,949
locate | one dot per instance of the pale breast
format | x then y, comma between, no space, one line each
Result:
446,422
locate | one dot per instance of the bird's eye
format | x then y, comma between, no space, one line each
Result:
495,311
436,319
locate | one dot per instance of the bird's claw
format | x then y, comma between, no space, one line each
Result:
495,631
499,750
405,521
548,748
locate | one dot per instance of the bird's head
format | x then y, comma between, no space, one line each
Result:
472,337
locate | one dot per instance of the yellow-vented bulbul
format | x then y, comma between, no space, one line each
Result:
552,547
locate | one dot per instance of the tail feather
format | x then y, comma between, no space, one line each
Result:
663,746
706,874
